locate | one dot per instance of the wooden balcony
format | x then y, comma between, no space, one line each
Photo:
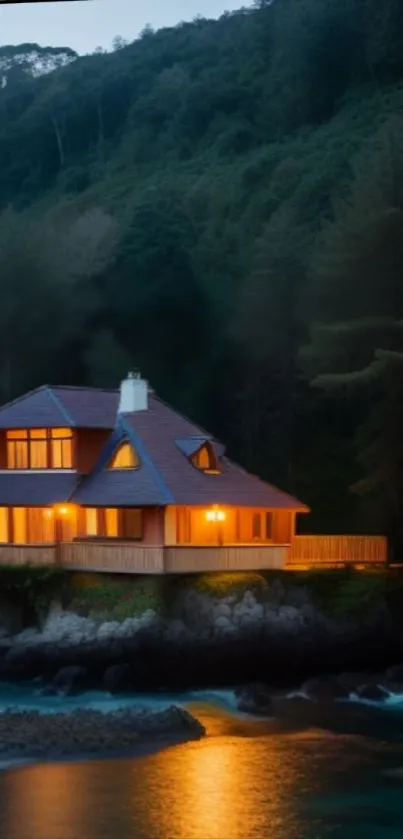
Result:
333,551
27,554
183,559
117,557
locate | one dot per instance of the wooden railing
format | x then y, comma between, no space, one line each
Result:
27,554
327,551
128,558
116,557
188,559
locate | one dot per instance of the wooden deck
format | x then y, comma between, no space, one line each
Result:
304,553
333,551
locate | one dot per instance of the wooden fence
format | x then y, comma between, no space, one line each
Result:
313,551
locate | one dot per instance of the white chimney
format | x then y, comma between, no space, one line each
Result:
133,394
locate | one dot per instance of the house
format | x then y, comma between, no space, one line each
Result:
110,480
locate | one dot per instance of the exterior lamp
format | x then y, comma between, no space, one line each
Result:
63,511
215,515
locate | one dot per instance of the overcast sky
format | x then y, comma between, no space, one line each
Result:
88,24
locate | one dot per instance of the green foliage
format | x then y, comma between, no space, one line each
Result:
346,593
205,203
105,597
223,585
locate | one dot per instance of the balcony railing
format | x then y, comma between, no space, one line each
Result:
132,558
325,551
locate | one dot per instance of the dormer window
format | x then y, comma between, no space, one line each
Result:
206,460
125,457
40,448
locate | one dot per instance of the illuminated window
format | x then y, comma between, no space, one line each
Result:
32,525
124,458
19,525
17,449
40,448
4,536
111,521
91,521
62,448
205,460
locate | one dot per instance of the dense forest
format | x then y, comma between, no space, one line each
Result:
220,204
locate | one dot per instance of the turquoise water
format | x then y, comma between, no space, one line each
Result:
305,774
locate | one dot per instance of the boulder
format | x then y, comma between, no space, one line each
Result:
118,679
372,692
71,680
254,699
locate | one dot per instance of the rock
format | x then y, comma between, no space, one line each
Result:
254,699
372,692
71,680
222,622
109,629
118,679
323,690
222,610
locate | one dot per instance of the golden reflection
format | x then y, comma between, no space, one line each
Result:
240,782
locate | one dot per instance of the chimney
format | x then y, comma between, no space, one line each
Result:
133,394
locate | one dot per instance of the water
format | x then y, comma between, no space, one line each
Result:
307,774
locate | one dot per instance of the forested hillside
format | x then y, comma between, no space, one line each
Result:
221,205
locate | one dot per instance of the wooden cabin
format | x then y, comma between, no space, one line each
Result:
117,481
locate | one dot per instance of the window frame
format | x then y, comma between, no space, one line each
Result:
136,459
50,436
213,468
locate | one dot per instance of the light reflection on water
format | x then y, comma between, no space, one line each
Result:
245,780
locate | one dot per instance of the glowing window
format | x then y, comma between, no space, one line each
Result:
125,458
205,460
62,448
3,524
91,521
40,448
19,525
111,523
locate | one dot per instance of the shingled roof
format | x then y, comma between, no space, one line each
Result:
164,441
166,475
72,407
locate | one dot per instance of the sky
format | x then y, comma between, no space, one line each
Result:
87,24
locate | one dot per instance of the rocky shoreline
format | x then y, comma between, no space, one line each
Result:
30,735
279,636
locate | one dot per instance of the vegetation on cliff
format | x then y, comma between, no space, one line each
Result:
221,204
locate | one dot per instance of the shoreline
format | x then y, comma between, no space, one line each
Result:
85,734
146,746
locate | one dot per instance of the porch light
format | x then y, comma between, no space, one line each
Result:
215,515
63,511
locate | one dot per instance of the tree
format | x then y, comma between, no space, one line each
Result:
357,343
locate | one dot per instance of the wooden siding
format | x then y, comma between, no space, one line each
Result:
27,554
89,443
323,551
235,558
119,557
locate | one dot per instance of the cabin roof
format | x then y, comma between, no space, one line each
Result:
164,441
57,406
36,489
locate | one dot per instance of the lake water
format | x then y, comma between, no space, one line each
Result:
289,778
